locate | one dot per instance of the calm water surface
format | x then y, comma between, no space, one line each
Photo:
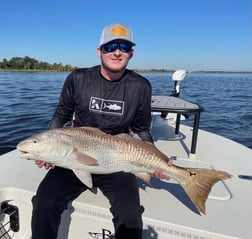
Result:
28,100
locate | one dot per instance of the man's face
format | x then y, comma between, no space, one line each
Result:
115,55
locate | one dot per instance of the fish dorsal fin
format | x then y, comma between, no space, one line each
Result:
134,140
92,129
124,136
84,177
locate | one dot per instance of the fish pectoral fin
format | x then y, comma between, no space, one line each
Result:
145,177
84,177
85,159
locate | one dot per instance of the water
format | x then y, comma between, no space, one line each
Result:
226,98
28,100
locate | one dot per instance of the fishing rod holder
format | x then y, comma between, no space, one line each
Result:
11,222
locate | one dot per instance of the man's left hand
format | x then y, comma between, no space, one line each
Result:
160,174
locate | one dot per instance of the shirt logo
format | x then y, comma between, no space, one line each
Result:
113,107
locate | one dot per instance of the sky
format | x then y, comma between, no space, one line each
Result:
169,34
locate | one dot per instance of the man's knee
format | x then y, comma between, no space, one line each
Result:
128,222
47,205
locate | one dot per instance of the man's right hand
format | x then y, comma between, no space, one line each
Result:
41,164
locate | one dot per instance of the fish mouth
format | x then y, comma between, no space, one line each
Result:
27,155
24,154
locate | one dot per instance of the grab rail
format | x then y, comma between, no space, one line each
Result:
12,223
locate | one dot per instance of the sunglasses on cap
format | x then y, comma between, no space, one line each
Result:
113,46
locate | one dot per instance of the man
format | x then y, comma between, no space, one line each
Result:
116,100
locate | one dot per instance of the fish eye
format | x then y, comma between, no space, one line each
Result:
35,141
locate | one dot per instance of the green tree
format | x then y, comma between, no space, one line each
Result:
28,63
4,64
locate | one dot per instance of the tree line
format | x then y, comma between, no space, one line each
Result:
30,64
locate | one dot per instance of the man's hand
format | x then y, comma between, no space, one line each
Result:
41,164
160,174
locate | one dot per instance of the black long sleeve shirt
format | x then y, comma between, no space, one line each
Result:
112,106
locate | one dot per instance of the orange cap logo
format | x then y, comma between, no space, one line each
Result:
118,31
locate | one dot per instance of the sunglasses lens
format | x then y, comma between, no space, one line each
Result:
125,47
111,47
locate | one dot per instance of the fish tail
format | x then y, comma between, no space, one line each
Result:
199,184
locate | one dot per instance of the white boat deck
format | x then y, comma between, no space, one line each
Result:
168,211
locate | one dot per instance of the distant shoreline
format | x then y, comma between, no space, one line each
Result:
171,71
136,70
37,70
29,64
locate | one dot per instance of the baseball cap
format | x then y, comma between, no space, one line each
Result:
114,32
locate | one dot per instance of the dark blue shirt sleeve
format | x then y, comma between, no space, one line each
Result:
65,108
